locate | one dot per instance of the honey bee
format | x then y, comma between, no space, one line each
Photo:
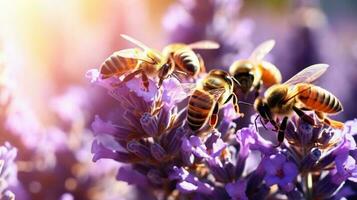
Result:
185,59
215,90
298,94
145,61
254,71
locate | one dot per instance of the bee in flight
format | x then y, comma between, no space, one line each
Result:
185,59
145,61
215,90
298,94
254,71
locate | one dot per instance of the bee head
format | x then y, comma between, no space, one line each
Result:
242,70
276,95
261,106
246,81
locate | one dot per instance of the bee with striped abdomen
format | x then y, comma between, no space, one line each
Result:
185,59
254,72
298,94
209,96
131,62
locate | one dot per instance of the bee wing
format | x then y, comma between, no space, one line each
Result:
135,41
308,75
188,88
133,53
204,44
262,50
217,93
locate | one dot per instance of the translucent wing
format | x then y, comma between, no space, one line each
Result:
135,41
217,92
262,50
188,88
204,44
133,53
308,75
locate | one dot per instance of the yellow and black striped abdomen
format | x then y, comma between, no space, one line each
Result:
187,61
318,99
116,65
199,109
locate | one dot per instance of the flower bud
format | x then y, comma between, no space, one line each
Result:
325,137
149,124
157,152
310,159
139,150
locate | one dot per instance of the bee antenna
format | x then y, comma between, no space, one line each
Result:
255,123
236,81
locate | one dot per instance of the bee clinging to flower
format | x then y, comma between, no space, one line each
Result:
146,61
215,90
296,95
176,59
185,59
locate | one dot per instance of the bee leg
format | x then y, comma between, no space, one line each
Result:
304,116
127,78
145,81
281,132
328,121
236,106
164,73
263,124
320,116
269,117
257,89
229,98
214,117
235,103
255,122
176,75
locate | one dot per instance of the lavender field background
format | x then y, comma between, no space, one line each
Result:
67,134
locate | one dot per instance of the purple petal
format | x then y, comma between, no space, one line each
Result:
131,176
186,187
101,127
271,180
135,85
218,147
236,190
290,170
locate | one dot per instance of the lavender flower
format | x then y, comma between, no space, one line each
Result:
147,132
166,157
148,135
8,171
314,162
280,171
236,190
53,160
